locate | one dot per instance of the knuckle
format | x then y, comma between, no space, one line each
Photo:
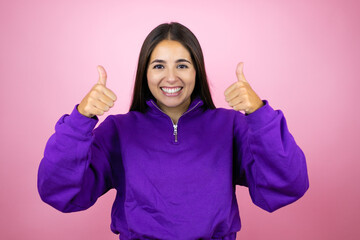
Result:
98,90
100,105
94,93
87,108
98,112
98,86
239,84
90,101
243,90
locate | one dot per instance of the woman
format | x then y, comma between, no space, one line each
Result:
174,158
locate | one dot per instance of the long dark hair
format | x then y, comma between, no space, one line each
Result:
177,32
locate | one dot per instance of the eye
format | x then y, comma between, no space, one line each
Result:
182,66
158,66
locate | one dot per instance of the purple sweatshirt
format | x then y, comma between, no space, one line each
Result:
173,181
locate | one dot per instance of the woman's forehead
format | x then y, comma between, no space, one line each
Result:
170,50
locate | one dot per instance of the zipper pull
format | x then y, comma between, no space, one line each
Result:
175,132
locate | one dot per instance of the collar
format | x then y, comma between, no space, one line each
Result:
196,103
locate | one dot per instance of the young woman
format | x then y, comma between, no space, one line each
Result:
174,158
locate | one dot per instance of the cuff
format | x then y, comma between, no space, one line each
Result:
80,122
261,117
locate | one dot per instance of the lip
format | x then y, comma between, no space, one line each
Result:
171,94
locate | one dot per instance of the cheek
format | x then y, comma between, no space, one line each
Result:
150,84
150,80
193,79
188,77
153,78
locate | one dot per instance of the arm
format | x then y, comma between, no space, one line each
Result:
268,160
75,169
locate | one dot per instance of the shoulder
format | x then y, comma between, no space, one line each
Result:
222,118
115,119
116,124
223,113
128,119
129,116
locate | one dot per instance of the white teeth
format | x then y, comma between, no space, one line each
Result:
171,90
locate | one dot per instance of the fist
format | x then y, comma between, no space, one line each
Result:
100,99
240,96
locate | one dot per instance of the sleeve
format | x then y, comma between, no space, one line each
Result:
267,160
75,170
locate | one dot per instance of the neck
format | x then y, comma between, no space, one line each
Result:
175,112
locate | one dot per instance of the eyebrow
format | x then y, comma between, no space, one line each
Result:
163,61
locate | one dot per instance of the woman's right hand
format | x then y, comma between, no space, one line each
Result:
99,100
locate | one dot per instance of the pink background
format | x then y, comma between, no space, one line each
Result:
302,56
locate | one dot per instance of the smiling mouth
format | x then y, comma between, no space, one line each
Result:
171,90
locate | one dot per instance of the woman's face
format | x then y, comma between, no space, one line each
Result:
171,76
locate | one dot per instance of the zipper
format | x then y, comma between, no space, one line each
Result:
175,132
175,126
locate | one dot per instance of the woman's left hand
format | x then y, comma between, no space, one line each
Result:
240,95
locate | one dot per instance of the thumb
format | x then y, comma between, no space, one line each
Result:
102,75
239,72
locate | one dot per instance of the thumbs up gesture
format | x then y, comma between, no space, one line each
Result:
100,99
240,95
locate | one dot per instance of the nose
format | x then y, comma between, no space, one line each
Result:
171,76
